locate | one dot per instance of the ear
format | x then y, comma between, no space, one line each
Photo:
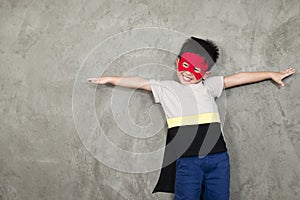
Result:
177,60
207,74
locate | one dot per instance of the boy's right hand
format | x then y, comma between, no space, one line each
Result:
100,80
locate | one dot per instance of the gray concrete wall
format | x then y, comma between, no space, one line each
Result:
43,44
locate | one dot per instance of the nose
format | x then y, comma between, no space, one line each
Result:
188,73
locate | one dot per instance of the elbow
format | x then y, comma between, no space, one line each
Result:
233,80
146,86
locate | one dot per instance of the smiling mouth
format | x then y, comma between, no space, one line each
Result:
186,78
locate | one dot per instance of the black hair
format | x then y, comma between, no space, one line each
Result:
204,48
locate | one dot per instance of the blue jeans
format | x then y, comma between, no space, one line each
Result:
205,177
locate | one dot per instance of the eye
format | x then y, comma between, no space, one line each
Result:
197,70
186,65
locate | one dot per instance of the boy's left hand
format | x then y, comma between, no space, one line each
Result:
278,76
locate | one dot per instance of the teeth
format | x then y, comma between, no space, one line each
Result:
186,78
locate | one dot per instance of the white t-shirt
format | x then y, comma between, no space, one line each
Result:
190,104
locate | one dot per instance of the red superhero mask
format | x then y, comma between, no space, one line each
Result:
192,62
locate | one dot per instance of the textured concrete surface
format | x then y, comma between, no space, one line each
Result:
44,43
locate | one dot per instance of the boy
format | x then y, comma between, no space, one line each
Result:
196,162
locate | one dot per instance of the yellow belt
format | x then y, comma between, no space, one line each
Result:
193,119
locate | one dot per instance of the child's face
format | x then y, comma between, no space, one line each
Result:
191,68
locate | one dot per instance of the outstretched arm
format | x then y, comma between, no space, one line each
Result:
129,81
252,77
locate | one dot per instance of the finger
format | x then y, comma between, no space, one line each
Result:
281,83
288,72
291,70
92,79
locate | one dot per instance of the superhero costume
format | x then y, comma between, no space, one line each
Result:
194,126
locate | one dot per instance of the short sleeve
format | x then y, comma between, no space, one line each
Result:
156,88
215,85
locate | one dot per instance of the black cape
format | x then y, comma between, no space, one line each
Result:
188,140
